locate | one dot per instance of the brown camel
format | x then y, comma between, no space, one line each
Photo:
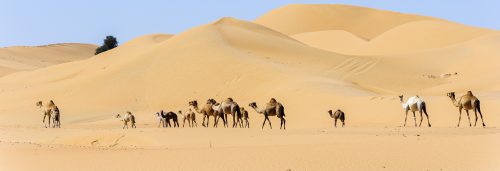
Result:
337,115
467,102
48,109
206,111
273,108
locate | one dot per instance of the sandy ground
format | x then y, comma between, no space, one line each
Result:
368,148
359,66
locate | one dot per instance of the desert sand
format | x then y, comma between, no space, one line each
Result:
337,57
26,58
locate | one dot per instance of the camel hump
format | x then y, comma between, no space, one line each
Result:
469,93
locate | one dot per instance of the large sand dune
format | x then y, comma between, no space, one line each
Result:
23,58
339,57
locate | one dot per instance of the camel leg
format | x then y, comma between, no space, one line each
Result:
208,120
335,122
406,117
49,120
480,114
43,121
203,123
475,113
428,120
264,123
234,120
421,119
467,111
284,123
269,121
459,116
415,119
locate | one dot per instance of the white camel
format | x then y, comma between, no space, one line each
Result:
414,104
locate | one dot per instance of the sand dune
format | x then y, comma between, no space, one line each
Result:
22,58
311,58
332,40
364,22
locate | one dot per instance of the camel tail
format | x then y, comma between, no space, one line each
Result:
132,119
281,110
424,107
238,111
478,106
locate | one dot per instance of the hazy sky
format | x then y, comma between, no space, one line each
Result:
34,22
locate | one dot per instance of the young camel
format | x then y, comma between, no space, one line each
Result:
56,119
190,116
467,102
206,111
273,108
337,115
48,109
162,119
244,114
414,104
126,119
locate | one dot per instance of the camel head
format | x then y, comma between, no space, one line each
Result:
193,103
229,99
401,97
180,112
39,103
211,101
469,93
253,105
331,113
451,95
118,116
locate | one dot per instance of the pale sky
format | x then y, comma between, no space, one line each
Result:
34,22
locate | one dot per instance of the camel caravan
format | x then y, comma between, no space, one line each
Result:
240,116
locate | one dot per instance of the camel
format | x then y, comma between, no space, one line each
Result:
190,116
218,113
171,116
245,122
162,119
56,119
229,106
273,108
467,102
47,109
339,114
126,119
206,111
414,104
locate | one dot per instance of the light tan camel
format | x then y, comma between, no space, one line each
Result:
339,114
48,110
128,117
206,111
229,106
190,116
467,102
273,108
414,104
